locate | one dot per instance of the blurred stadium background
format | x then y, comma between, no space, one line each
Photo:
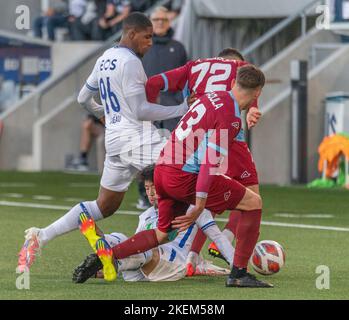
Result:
302,50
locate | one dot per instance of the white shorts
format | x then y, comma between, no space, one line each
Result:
171,266
120,170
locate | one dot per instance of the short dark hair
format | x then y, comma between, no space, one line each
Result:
250,77
136,20
147,174
231,52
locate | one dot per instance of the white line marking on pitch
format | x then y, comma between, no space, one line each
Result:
307,216
54,207
17,185
40,197
83,185
72,200
136,213
12,195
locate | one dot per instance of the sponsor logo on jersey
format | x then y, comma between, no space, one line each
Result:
235,125
227,195
245,175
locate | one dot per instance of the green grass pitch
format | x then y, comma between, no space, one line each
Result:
50,276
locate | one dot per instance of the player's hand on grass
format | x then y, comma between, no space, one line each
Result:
253,117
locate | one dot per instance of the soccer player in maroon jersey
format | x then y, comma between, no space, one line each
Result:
199,77
189,171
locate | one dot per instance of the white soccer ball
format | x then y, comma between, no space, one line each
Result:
268,257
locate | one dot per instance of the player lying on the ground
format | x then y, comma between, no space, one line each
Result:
189,171
164,263
132,142
199,77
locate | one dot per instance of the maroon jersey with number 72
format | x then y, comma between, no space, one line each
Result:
201,76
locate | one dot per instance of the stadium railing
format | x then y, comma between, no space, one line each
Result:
302,13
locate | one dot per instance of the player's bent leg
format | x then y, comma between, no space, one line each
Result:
133,262
247,234
109,201
114,183
250,201
30,249
196,247
105,254
36,238
140,242
230,228
88,228
254,188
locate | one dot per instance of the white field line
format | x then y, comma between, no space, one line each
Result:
72,200
136,213
41,197
17,185
53,207
309,216
12,195
83,185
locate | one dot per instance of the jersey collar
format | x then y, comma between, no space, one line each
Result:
127,48
237,109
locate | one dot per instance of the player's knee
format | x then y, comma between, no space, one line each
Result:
107,208
257,202
254,202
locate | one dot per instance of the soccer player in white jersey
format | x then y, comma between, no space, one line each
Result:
166,262
131,141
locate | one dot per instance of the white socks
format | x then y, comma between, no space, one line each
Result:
230,236
70,221
222,242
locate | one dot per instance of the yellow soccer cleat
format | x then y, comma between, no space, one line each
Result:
105,254
88,229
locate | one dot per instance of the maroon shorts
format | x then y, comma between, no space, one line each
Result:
241,166
176,191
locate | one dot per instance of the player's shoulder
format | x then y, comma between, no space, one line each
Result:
222,104
147,214
214,60
121,53
201,60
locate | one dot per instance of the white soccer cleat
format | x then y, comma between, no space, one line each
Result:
207,268
31,248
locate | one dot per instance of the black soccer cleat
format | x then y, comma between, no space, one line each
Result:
87,269
246,281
